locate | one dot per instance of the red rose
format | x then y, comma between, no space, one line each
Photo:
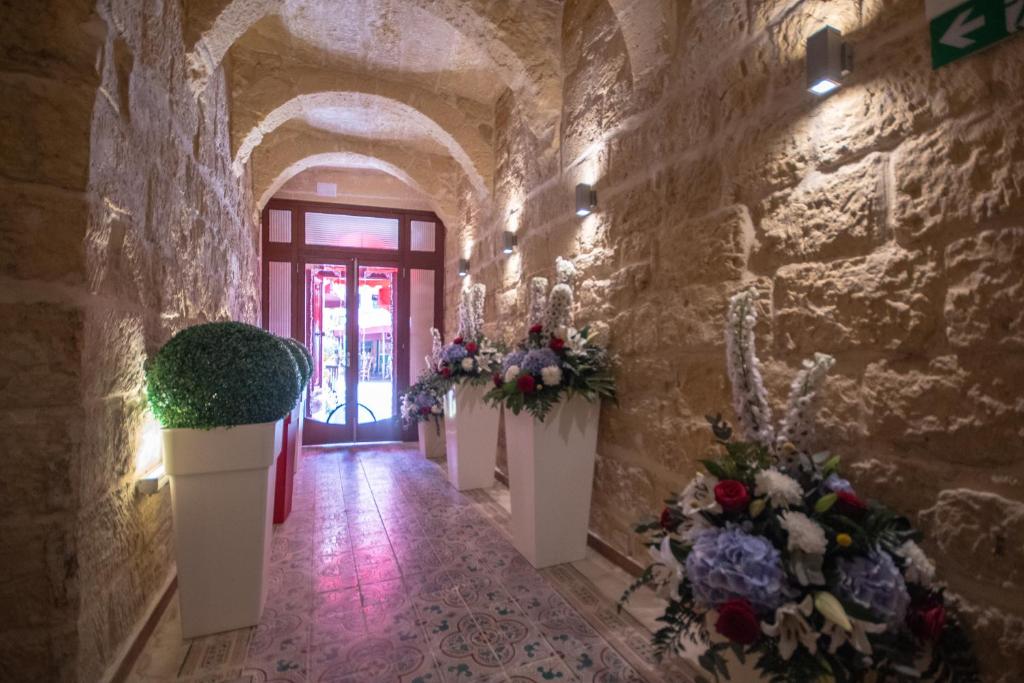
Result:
849,504
737,622
446,371
424,410
536,329
497,379
669,521
732,495
556,344
526,384
471,347
457,340
927,619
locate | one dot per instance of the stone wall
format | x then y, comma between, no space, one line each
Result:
883,225
123,223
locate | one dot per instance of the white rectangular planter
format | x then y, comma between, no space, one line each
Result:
471,437
431,439
222,493
551,474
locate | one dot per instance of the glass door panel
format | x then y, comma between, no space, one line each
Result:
377,295
328,398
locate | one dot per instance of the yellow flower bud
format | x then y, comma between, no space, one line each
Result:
844,540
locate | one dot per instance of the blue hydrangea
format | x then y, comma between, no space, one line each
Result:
454,353
538,359
513,358
729,564
424,400
874,581
836,483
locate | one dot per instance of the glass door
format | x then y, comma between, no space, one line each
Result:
376,399
329,396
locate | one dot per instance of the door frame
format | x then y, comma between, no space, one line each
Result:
298,253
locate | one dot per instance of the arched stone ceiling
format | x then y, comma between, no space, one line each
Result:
296,147
421,119
646,27
465,47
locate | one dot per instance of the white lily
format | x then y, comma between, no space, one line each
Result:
857,636
792,628
699,496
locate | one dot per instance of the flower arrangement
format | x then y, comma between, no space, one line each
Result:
471,357
555,358
777,553
423,400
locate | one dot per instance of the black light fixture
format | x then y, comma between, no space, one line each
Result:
463,267
829,59
586,199
508,242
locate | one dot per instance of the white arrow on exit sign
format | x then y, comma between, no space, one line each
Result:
961,27
956,34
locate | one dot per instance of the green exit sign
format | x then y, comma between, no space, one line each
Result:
960,27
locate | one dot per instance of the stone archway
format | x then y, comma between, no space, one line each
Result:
524,52
292,149
431,119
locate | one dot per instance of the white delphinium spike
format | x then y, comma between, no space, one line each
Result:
748,393
436,348
565,272
477,294
559,312
464,312
797,426
537,300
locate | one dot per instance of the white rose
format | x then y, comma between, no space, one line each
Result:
467,364
512,373
551,376
436,410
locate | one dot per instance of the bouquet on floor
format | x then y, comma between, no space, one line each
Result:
471,357
555,359
423,400
778,554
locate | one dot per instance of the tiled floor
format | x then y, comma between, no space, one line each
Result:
384,572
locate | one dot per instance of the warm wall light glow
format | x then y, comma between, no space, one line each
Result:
149,446
463,267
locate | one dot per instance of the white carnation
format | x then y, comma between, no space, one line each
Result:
551,376
467,364
919,569
781,489
804,533
512,373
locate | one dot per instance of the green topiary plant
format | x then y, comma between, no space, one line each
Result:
219,375
302,357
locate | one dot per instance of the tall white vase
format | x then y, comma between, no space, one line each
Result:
430,439
551,474
471,437
222,494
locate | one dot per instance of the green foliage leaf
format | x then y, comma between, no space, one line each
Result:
825,503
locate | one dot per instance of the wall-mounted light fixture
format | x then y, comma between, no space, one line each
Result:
463,267
829,59
508,242
586,199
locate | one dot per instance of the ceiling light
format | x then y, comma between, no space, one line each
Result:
463,267
508,242
586,199
829,59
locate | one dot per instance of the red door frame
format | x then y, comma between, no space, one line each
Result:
298,253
